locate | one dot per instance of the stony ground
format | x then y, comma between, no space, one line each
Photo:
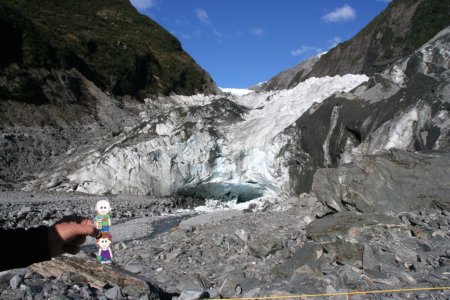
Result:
26,209
290,247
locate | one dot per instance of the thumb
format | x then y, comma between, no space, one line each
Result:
84,229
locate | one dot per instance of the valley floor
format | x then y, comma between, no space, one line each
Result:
289,247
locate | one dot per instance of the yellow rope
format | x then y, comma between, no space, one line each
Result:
346,293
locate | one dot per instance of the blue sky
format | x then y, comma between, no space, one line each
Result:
243,42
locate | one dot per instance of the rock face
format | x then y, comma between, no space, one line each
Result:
405,107
73,73
397,181
289,78
33,136
396,33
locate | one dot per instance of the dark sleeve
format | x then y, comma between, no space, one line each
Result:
20,248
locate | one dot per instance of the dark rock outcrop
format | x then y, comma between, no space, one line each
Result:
396,181
33,136
405,107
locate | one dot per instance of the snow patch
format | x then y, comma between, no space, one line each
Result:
397,75
402,133
237,92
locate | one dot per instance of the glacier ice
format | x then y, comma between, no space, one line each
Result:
206,146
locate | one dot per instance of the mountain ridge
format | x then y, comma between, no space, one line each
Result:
73,73
110,43
395,33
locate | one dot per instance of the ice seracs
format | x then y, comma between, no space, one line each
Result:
205,146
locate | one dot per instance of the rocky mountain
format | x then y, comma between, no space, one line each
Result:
268,143
397,32
339,184
405,107
289,78
110,44
72,72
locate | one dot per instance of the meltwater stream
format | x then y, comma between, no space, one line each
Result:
140,229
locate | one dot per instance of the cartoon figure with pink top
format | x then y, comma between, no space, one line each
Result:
104,253
103,220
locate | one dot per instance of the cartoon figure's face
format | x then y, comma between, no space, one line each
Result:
103,207
103,243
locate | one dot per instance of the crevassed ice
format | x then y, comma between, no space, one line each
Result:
401,134
248,151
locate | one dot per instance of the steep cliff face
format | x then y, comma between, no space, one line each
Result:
75,72
405,107
396,33
109,43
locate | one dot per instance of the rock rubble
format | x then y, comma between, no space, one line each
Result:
291,247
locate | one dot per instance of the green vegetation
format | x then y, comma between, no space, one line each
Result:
108,41
403,27
430,18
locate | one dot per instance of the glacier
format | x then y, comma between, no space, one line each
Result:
223,147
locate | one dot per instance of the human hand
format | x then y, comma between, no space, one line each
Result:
67,235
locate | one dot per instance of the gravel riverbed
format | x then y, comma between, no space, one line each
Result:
290,247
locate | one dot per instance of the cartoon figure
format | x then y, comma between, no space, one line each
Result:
104,253
103,220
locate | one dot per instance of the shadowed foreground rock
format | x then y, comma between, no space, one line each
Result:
85,270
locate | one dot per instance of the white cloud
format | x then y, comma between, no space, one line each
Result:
302,50
143,4
186,36
181,22
259,32
344,13
202,15
334,42
217,33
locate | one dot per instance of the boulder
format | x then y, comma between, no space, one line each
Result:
393,181
82,269
261,246
347,225
308,255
